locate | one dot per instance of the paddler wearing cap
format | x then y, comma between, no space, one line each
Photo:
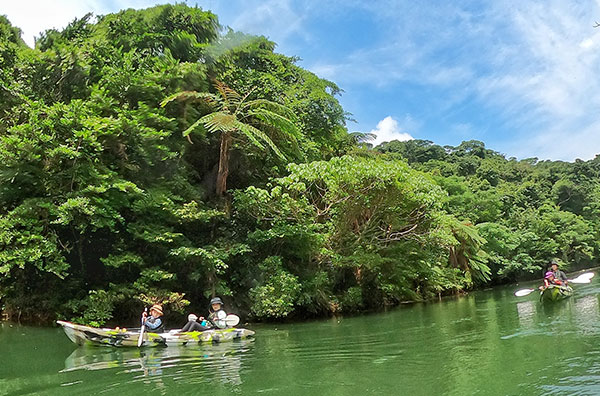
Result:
216,318
558,274
153,323
217,313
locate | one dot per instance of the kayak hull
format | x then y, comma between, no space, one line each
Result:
556,293
86,335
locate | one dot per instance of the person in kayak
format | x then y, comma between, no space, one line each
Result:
550,279
216,318
558,274
153,323
217,315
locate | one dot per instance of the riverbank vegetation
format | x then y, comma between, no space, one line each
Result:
152,156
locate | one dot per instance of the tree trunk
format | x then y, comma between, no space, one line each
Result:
223,163
80,253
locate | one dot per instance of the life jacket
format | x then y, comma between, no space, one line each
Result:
554,281
217,318
152,320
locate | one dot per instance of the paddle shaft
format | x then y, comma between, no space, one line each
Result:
141,339
230,320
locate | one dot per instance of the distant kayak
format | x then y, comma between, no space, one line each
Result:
555,293
86,335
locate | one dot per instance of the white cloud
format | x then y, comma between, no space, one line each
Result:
587,43
388,129
384,66
555,73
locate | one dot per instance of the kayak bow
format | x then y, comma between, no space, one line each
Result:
555,293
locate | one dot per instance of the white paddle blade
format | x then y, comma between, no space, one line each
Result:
232,320
579,280
583,278
523,292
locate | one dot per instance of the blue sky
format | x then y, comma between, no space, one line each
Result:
522,76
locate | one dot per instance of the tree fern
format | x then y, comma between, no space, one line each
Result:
233,114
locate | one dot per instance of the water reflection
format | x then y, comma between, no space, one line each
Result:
587,315
526,311
222,362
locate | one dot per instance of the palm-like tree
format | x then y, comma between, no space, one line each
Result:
234,116
362,137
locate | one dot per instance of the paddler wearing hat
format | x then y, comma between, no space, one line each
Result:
153,323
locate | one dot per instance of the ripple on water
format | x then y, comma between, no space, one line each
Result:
333,350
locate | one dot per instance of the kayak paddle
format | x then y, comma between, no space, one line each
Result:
141,339
524,292
583,278
232,320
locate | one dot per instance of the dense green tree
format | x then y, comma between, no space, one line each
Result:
102,203
364,224
11,45
414,150
510,203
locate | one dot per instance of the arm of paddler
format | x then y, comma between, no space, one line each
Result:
153,323
218,319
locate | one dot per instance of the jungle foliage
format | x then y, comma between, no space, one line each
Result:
112,196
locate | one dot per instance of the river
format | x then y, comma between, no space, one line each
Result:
486,343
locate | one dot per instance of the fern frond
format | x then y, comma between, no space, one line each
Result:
219,122
231,98
250,135
276,120
191,129
360,137
240,107
212,100
272,106
254,134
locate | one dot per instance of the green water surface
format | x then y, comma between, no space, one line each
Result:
486,343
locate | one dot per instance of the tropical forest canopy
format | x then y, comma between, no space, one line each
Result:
153,156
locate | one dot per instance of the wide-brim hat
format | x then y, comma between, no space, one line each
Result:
157,308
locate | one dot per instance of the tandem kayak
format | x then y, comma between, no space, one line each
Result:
555,293
86,335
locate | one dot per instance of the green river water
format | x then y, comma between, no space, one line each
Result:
486,343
